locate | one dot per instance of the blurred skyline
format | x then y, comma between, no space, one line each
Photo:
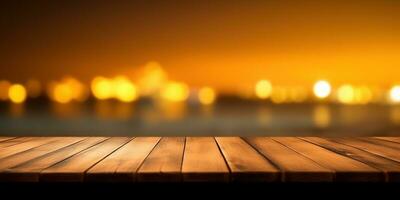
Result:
223,44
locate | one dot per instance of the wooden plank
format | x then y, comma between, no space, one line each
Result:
165,161
390,144
73,168
29,144
390,168
33,153
390,139
245,163
15,141
294,166
30,171
203,161
376,149
2,139
346,169
123,164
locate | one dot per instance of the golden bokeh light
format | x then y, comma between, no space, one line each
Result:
151,79
362,95
263,89
63,93
279,95
79,90
297,94
206,95
17,93
346,94
102,88
124,89
322,89
4,86
33,88
395,94
175,92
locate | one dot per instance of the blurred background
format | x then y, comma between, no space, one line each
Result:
200,67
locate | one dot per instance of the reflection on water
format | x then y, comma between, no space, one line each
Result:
226,117
321,116
395,115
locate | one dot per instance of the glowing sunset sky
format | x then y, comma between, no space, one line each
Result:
219,43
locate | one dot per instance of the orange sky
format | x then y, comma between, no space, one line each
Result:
223,43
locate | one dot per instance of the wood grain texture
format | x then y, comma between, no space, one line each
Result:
191,159
294,166
390,168
245,163
74,168
390,139
30,171
203,161
390,144
25,145
165,162
33,153
376,149
2,139
15,141
346,169
123,164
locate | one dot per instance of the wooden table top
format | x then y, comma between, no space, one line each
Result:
222,159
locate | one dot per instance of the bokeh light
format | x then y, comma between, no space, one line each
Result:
152,78
79,91
362,95
395,94
263,89
346,94
322,89
279,95
175,92
102,88
62,93
17,93
124,89
207,95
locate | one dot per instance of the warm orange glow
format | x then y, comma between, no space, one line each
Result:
175,92
4,86
124,89
207,95
395,94
102,88
151,79
322,89
322,116
297,94
78,89
63,93
279,95
17,93
362,95
346,94
33,87
263,89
